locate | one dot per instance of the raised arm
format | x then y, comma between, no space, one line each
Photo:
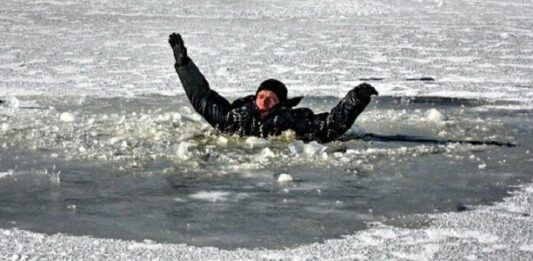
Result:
325,127
205,101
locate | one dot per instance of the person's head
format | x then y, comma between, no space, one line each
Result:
270,94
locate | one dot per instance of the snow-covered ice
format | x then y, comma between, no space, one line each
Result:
80,88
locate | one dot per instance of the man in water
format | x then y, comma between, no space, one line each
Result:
269,112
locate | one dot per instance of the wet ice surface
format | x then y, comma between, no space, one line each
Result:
148,168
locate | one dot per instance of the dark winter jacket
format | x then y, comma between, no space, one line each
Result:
242,117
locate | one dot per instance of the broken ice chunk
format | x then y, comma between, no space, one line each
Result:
284,177
181,150
267,153
4,127
254,141
12,102
296,147
67,117
313,148
7,173
222,140
435,115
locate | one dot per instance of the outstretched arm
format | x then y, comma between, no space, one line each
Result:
325,127
205,101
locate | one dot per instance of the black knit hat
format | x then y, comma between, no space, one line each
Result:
274,86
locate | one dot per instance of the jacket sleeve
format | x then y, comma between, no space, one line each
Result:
205,101
325,127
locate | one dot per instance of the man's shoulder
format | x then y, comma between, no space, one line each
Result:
244,101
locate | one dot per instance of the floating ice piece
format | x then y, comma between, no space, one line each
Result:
67,117
212,196
254,141
313,148
222,140
435,115
296,147
244,166
114,140
5,174
482,166
283,177
288,135
4,127
175,116
267,153
55,178
12,102
178,199
181,150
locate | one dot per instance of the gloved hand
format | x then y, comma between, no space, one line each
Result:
180,52
365,90
360,94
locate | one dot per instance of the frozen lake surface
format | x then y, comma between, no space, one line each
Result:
96,137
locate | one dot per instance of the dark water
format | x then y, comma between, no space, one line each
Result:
149,168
